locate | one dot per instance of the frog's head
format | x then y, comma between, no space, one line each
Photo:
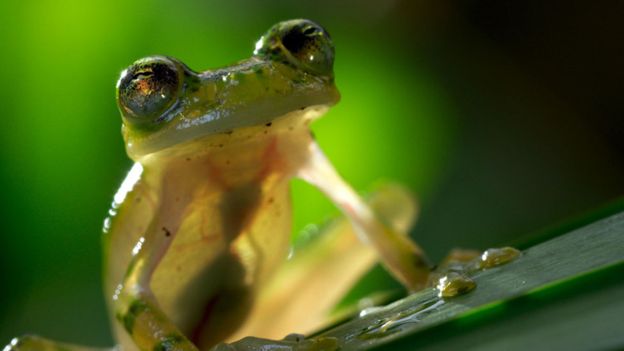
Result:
164,103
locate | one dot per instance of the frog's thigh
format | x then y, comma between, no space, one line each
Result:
320,274
35,343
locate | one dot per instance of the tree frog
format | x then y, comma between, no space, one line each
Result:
197,241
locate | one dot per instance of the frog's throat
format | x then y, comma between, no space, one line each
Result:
221,130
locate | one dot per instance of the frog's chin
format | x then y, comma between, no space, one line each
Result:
217,130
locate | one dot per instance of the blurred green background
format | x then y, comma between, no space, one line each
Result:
504,117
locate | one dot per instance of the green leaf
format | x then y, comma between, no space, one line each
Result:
565,293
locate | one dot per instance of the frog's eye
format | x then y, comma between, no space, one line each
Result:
148,89
302,42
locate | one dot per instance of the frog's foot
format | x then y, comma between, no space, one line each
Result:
453,276
35,343
294,342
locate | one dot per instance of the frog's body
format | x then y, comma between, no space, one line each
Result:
199,231
227,200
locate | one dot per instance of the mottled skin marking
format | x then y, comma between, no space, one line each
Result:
136,309
171,342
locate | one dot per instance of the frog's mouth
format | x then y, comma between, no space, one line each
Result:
230,124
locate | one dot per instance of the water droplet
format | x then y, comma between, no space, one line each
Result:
454,284
498,256
387,326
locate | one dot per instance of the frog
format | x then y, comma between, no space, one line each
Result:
197,242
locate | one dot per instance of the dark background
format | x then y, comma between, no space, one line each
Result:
504,116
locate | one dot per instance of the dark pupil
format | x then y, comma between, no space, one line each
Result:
149,89
297,39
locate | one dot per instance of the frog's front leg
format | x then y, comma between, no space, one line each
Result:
135,304
401,256
35,343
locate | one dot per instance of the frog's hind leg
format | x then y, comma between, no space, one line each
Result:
35,343
322,272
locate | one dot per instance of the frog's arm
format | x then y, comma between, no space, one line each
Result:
35,343
401,256
136,307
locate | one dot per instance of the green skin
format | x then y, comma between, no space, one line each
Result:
198,235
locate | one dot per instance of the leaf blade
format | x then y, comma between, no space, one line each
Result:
578,253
